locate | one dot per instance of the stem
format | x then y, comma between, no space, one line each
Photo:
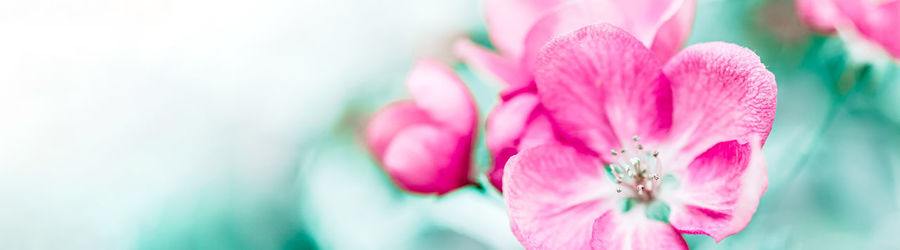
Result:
846,90
817,138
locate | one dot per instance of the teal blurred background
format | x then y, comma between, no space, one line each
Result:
235,125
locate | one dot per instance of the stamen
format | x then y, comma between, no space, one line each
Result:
615,173
636,163
635,169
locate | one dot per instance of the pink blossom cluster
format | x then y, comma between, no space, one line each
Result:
608,135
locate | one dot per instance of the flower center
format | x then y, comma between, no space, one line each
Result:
636,171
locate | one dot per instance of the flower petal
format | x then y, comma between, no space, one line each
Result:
634,231
505,126
601,86
720,92
508,121
482,59
495,174
564,19
537,132
887,28
820,15
640,18
674,33
425,144
385,124
876,22
440,93
553,195
720,190
428,160
646,16
508,21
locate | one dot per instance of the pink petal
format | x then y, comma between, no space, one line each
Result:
645,17
720,190
505,126
886,23
425,144
524,126
634,231
495,174
385,125
564,19
877,22
508,21
553,195
601,86
508,120
482,59
821,15
441,94
675,32
539,131
641,18
428,160
720,92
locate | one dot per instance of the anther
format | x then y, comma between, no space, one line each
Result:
636,172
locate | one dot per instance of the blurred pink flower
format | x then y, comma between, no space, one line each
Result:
695,168
874,20
519,28
425,144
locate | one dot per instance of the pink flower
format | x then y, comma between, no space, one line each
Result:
519,28
874,20
425,144
678,142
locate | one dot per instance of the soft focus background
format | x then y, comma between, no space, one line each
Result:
225,124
